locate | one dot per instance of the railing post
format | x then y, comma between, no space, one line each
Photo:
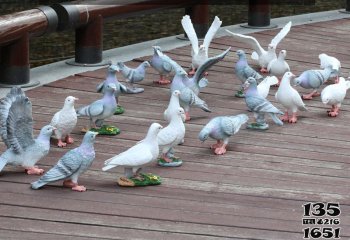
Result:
347,7
259,14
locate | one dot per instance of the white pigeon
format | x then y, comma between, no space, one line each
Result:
199,53
174,105
334,95
260,55
173,134
65,120
326,61
289,98
278,66
144,152
264,86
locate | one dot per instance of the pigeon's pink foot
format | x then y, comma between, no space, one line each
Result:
69,183
79,188
34,170
293,119
216,145
285,117
192,72
263,70
206,74
61,144
162,81
69,139
336,80
220,150
168,160
277,84
334,112
311,95
187,118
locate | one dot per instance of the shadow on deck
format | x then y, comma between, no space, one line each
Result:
255,191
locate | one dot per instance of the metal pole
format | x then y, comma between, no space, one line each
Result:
259,14
199,15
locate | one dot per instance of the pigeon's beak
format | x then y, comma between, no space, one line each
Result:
96,133
76,99
54,129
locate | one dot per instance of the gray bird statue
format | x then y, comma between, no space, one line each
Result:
100,109
163,64
16,130
259,106
74,163
221,128
134,75
244,71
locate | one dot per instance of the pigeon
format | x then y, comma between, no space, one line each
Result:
143,153
163,64
244,71
221,128
174,105
278,66
259,105
65,121
187,97
197,82
172,135
100,109
199,53
264,86
16,130
326,61
133,75
334,95
74,163
289,98
260,55
313,79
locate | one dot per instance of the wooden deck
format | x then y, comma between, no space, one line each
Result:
255,191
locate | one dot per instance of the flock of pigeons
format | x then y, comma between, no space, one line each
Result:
16,122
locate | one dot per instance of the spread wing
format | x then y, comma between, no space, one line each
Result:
284,31
16,124
55,119
254,44
211,32
190,32
99,87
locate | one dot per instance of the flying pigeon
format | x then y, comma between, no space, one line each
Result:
260,55
16,130
133,75
187,97
74,163
172,135
329,61
65,121
143,153
100,109
264,86
278,66
334,95
199,53
221,129
244,71
259,105
289,98
163,64
313,79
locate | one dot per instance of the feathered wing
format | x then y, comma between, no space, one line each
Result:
298,101
190,98
16,127
254,44
211,32
94,109
284,31
166,136
326,61
190,32
55,119
231,125
259,104
99,87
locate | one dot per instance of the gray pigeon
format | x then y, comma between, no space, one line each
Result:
71,165
221,128
313,79
163,64
65,121
259,106
244,71
100,109
187,97
16,130
133,75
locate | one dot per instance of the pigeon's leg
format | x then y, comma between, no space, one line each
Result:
332,109
188,118
192,72
162,80
220,150
216,145
33,170
73,183
309,96
335,111
263,70
166,158
285,117
61,143
294,118
69,183
137,174
69,139
336,80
